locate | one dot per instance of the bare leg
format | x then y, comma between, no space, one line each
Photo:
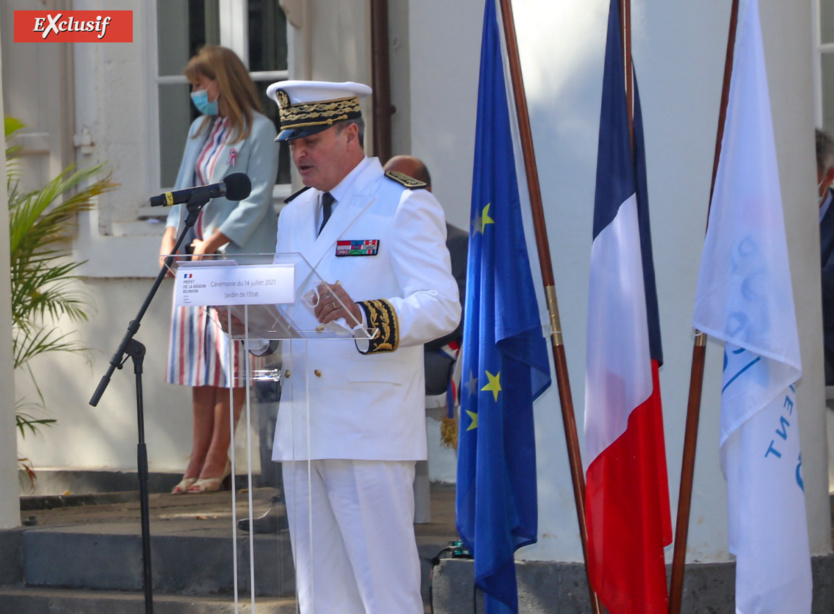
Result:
218,449
202,428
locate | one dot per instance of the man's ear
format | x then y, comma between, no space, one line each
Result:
353,133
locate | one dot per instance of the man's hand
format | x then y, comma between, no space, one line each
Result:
328,307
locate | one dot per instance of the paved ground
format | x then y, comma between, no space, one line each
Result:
89,542
203,512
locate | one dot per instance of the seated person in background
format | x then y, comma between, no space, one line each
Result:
440,354
825,175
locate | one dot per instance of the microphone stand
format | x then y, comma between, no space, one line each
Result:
131,348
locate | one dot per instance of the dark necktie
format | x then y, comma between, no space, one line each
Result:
327,201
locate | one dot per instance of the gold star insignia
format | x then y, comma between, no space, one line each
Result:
494,385
474,418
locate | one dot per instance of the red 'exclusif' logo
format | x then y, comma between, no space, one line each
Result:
73,27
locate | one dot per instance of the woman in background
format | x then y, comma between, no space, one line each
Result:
232,136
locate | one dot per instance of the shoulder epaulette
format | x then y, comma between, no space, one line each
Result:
292,196
405,180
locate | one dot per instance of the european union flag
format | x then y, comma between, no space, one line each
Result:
505,363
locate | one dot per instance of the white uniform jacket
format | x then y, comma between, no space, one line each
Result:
367,406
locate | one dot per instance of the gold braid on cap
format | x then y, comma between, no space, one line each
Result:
307,114
380,315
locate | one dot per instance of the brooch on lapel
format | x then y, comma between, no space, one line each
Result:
232,157
367,247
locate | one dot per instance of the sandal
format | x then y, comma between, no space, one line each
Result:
183,486
211,484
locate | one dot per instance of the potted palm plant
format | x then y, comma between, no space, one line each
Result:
44,282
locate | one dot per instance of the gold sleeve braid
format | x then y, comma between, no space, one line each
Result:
380,315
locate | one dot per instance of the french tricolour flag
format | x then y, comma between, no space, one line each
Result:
627,491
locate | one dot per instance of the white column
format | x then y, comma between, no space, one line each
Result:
9,500
785,31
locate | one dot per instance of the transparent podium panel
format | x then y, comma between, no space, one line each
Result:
270,305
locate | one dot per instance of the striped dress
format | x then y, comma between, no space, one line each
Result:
198,349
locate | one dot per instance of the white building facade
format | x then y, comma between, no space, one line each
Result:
127,105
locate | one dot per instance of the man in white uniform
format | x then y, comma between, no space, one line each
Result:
378,241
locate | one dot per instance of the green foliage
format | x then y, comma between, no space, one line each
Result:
43,275
28,422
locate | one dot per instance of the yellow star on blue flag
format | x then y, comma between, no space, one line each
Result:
474,420
480,219
494,385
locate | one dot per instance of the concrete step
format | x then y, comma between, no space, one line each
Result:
199,562
92,542
91,557
81,481
64,601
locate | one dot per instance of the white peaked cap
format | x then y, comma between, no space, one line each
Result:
308,107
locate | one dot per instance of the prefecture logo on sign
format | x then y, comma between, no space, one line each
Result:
73,26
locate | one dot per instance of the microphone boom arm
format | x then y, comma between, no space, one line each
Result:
119,357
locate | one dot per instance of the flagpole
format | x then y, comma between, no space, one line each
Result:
625,28
543,249
696,377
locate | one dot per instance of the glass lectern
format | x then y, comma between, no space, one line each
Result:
268,301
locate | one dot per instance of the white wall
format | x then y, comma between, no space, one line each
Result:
679,52
445,44
105,436
112,101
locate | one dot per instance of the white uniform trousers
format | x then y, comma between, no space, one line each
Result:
357,554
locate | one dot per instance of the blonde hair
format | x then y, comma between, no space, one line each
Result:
238,97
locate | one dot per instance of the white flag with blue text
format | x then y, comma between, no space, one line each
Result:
745,298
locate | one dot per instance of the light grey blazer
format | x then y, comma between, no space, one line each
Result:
251,223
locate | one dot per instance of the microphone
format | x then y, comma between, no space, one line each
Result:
236,186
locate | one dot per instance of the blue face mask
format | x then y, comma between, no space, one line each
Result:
201,101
